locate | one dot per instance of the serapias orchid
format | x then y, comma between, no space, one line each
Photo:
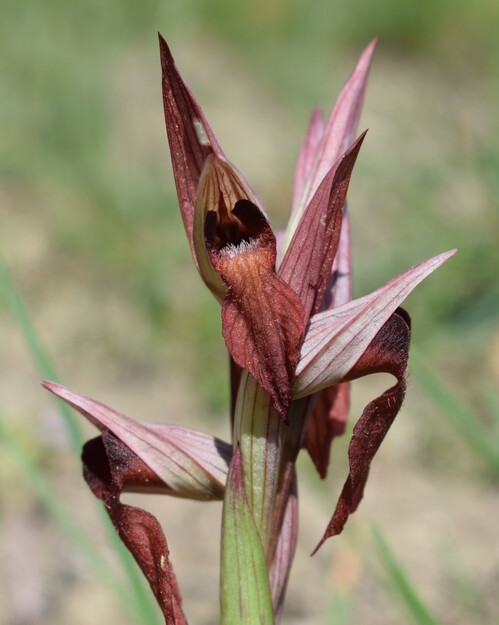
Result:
296,340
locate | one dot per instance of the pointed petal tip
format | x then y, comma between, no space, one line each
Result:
428,266
63,392
162,42
164,53
318,546
317,114
66,394
369,50
330,359
168,67
440,259
364,62
359,141
53,387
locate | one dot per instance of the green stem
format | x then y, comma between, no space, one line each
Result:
260,433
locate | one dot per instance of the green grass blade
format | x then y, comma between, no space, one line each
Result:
340,608
57,510
142,599
458,413
39,355
491,400
400,583
141,595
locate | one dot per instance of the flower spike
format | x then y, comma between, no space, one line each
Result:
295,339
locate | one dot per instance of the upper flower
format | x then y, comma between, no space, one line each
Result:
287,314
290,322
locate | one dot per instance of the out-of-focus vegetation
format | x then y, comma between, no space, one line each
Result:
91,234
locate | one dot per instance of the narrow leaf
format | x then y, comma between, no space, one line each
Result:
38,353
245,594
140,596
400,583
60,513
336,339
460,414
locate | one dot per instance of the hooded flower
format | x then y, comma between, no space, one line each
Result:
295,337
287,317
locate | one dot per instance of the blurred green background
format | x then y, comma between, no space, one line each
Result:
91,235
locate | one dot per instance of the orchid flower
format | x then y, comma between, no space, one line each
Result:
296,340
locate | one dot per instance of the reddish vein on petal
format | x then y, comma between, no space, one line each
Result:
189,135
188,462
339,133
336,339
341,127
307,264
339,290
307,154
